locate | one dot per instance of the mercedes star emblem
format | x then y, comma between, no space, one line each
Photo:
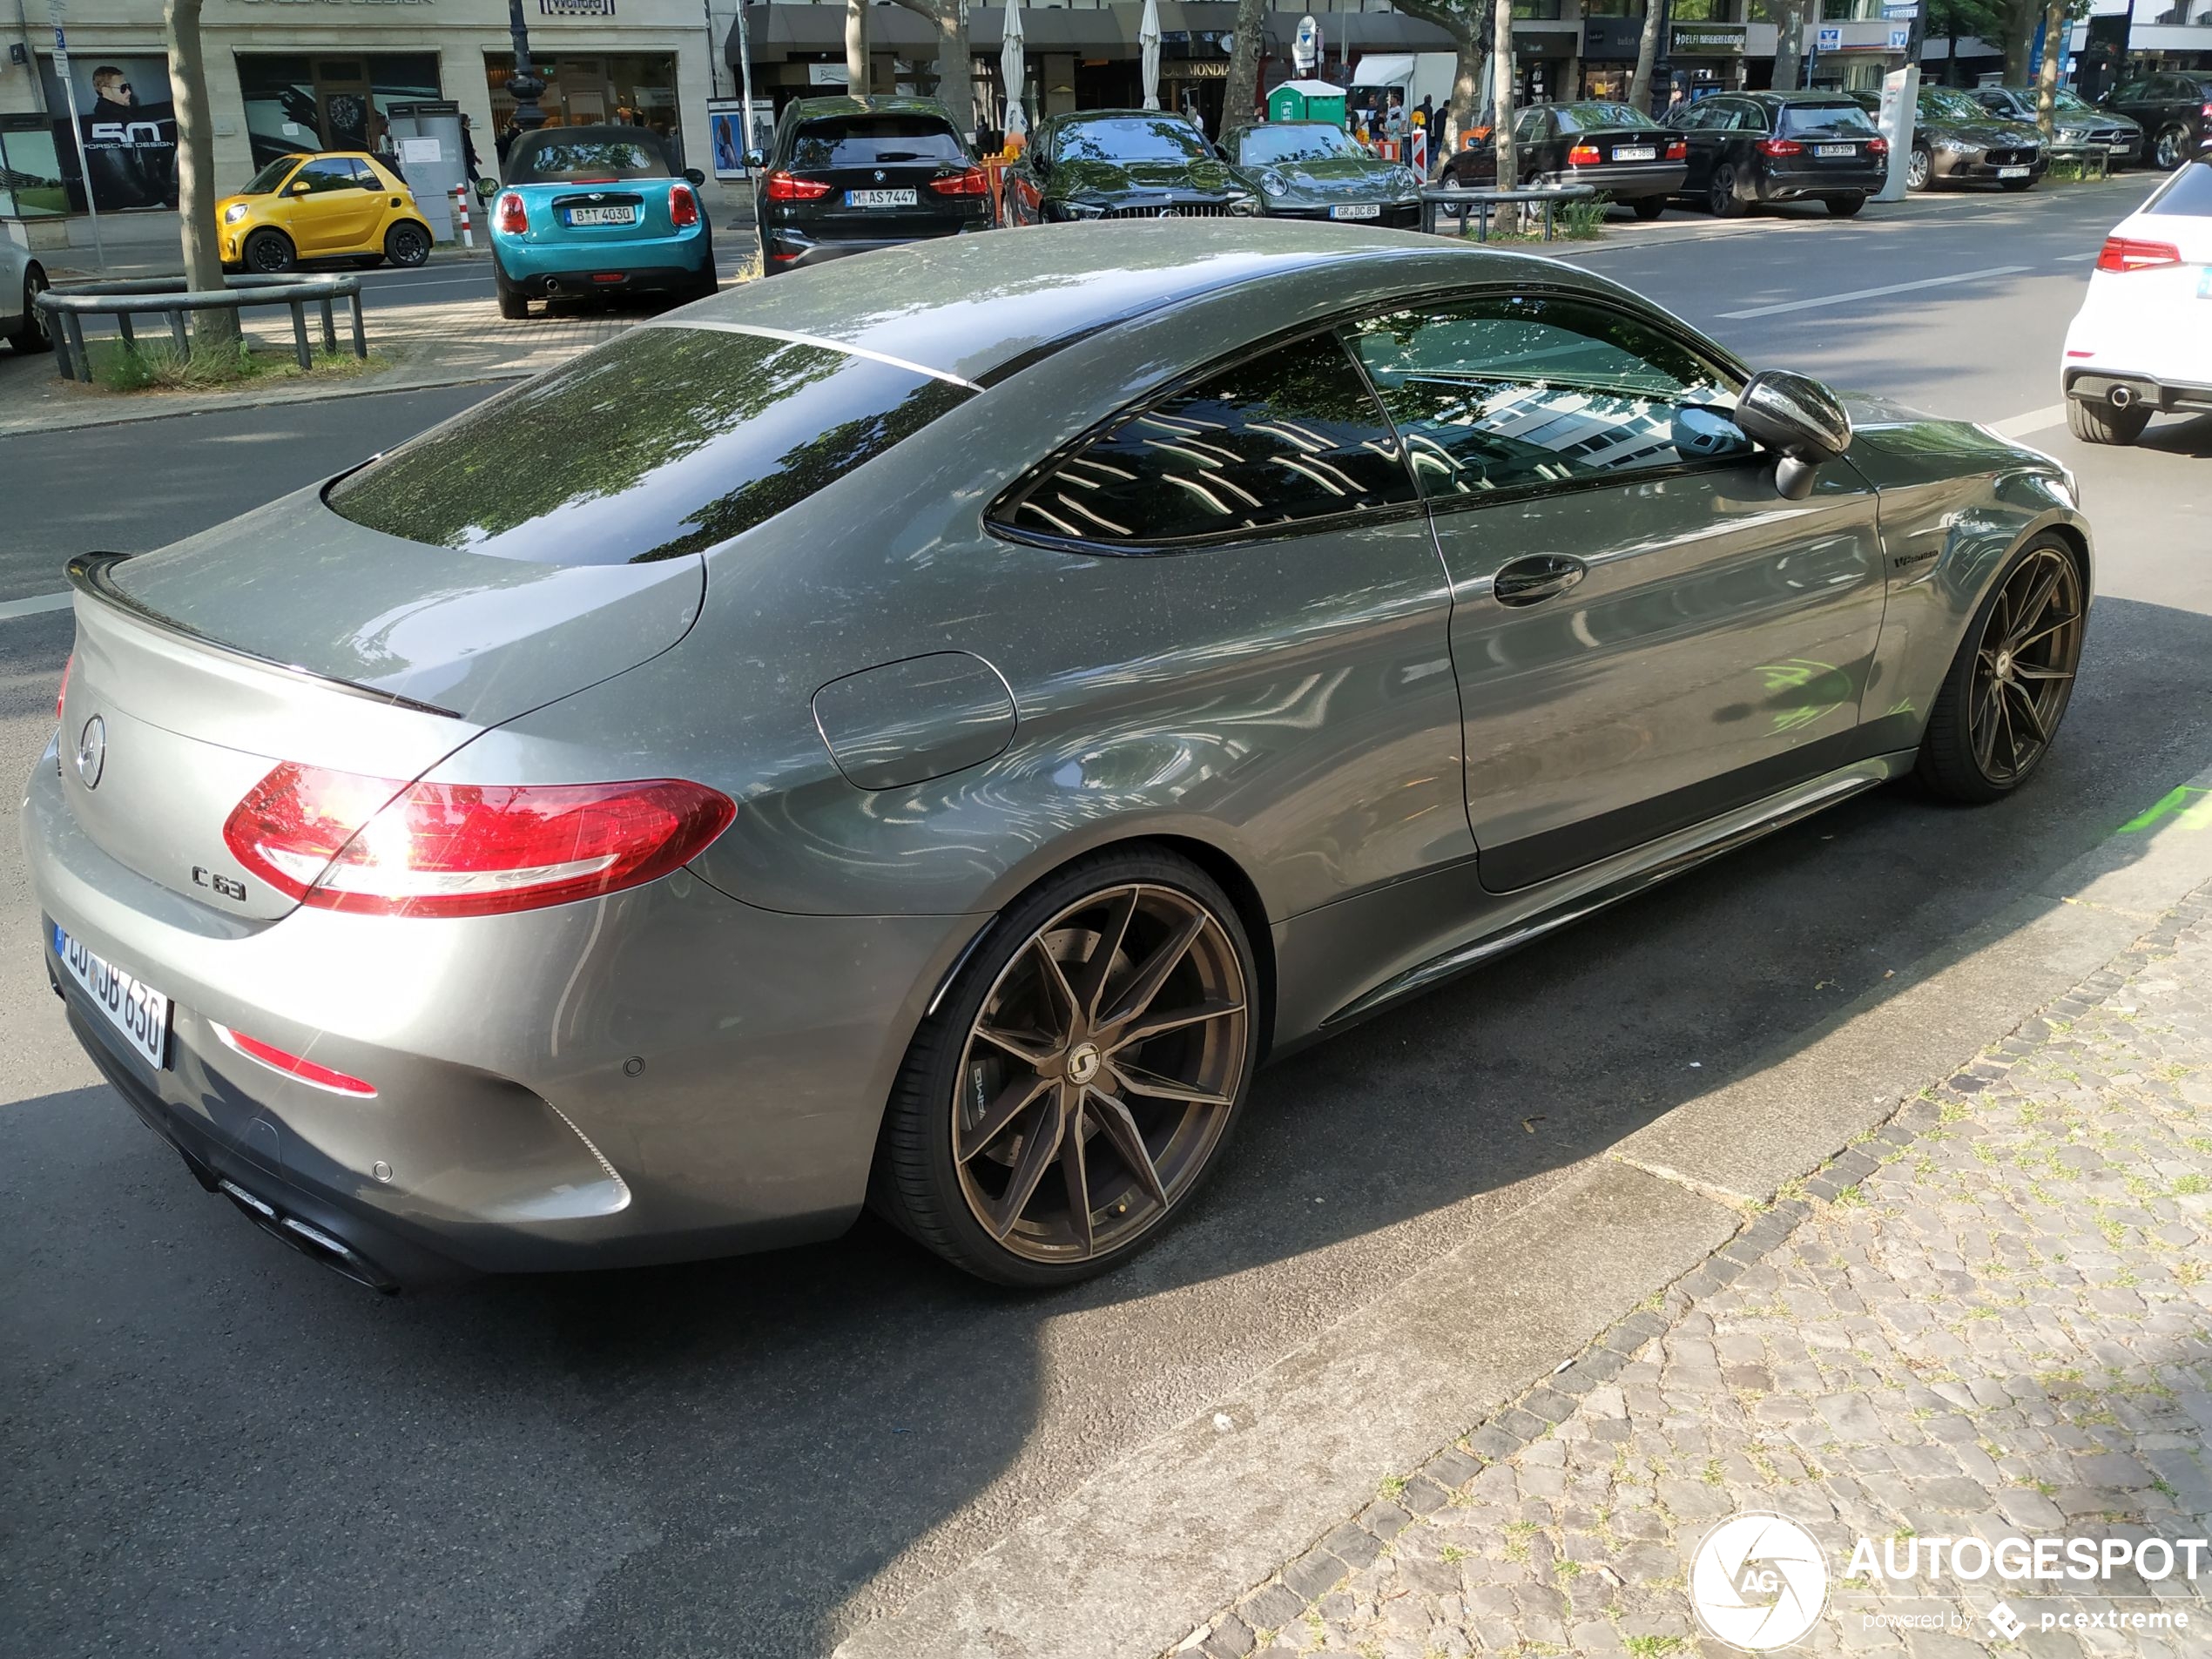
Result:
91,751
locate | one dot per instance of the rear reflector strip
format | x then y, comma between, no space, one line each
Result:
292,1065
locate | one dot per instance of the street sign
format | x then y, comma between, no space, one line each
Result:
1306,48
1894,9
1829,39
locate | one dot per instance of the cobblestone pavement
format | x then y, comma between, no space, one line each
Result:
1992,1319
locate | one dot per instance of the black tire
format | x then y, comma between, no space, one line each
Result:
2170,148
2095,420
917,1180
1721,196
1920,165
1949,765
34,335
407,244
1648,208
1845,206
512,306
268,252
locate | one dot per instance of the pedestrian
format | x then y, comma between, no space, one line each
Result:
1428,115
503,140
1394,119
469,150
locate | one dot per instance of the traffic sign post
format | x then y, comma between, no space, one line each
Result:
57,10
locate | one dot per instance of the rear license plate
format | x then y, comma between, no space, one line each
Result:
140,1012
602,215
879,199
1636,152
1845,150
1356,210
2012,172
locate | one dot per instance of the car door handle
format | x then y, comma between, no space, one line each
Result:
1532,580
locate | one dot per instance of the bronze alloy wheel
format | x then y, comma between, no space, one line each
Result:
2023,665
1100,1073
2008,689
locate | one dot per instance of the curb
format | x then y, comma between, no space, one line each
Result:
305,395
1293,1591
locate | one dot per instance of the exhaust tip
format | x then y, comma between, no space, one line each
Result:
308,1240
2121,396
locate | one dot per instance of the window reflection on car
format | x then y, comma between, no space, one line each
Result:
270,177
1594,118
1162,138
1261,146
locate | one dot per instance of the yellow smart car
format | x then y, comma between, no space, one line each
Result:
328,205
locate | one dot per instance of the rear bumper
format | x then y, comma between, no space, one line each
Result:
663,1075
789,247
1626,182
658,262
2146,391
1776,184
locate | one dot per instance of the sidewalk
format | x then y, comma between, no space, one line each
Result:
1992,1318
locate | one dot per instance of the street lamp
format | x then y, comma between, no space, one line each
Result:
525,86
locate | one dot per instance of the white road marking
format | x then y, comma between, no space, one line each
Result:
1845,299
2068,258
2035,420
12,607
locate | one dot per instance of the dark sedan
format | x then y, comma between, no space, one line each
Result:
1317,170
2175,107
847,174
1124,164
2073,122
1619,150
1746,148
1955,141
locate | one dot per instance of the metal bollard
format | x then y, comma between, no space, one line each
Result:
299,334
329,330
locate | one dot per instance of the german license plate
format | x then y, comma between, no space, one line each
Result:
1356,210
2120,148
1634,152
138,1011
2012,172
879,199
602,215
1845,149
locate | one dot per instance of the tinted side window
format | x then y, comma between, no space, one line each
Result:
660,443
334,172
2190,192
365,176
1527,390
1288,437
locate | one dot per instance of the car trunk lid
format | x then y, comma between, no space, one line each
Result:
293,635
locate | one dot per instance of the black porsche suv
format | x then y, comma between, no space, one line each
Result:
844,175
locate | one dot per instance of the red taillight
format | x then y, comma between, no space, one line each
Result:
2122,254
1583,155
1780,147
787,187
294,1065
682,208
510,215
1678,150
62,693
1877,147
339,841
973,182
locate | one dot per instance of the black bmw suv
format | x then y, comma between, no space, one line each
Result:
844,175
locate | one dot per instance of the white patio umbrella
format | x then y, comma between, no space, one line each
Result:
1012,69
1147,40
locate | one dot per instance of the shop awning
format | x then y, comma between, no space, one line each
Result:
1383,69
780,32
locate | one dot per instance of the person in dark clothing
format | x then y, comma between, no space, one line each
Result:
503,140
469,150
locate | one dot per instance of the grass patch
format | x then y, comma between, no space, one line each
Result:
1654,1647
151,364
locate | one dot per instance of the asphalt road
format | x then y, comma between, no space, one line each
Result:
213,1448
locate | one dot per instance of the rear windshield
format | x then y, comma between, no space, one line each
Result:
2189,193
1592,118
1814,120
874,141
661,442
559,158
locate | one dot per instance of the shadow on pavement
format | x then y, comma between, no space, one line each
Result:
216,1448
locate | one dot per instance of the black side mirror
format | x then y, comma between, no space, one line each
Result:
1798,418
693,176
486,189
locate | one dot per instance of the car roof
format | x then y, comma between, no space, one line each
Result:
1075,117
968,307
815,109
1777,98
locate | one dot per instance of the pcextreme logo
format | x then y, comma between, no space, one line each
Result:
1758,1582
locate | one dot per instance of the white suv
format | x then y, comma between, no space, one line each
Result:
2141,343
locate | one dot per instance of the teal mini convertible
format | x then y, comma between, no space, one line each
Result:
597,210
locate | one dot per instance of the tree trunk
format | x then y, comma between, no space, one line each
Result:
856,47
2047,84
955,72
212,330
1647,53
2019,39
1501,105
1241,97
1790,46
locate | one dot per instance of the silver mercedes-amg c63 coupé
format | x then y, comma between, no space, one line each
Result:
918,733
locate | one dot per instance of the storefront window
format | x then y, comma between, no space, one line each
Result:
1851,10
31,169
328,102
627,88
1702,10
1536,11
